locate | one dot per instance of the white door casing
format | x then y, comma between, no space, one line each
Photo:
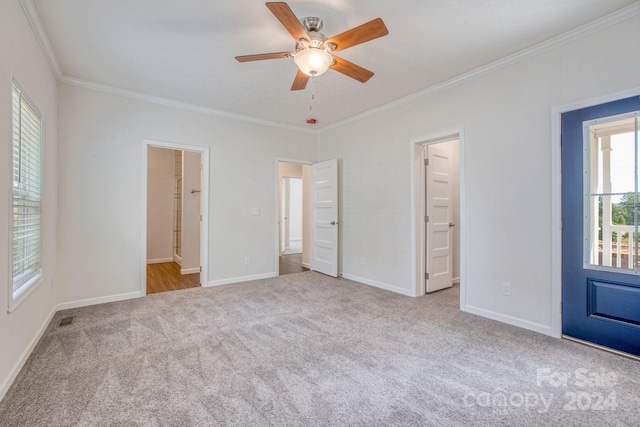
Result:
324,233
438,201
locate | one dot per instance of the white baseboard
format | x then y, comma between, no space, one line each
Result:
64,306
380,285
25,354
221,282
190,270
177,259
456,280
510,320
100,300
306,265
159,260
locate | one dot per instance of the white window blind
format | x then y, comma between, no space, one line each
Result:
26,256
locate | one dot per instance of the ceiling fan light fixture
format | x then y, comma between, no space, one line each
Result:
313,61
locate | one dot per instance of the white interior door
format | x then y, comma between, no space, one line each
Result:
439,219
324,232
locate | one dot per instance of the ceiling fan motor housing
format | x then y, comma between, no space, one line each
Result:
312,24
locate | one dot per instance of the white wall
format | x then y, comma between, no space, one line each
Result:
295,209
190,212
160,201
307,188
21,56
505,117
101,133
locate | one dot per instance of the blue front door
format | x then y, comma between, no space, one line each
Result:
600,206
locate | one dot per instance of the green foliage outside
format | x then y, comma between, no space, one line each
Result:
621,213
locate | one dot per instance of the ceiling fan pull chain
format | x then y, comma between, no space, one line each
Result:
313,93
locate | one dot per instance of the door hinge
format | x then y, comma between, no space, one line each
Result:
426,276
200,269
200,217
426,162
426,218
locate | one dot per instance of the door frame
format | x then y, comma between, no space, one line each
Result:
418,248
278,203
556,197
204,207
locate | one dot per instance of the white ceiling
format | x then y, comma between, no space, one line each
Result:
184,50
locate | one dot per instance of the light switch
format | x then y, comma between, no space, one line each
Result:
255,211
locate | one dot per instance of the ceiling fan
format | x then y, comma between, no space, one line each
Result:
314,52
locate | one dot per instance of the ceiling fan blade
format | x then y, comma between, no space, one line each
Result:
300,82
283,12
365,32
352,70
261,56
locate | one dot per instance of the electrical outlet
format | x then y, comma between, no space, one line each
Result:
506,289
247,261
361,260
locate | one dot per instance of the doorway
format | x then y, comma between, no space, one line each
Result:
175,217
437,237
600,210
291,211
293,217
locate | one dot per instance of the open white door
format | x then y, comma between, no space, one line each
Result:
324,232
439,219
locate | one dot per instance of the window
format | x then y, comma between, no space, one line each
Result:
612,193
26,218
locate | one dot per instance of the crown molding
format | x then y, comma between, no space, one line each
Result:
565,38
176,104
600,24
31,12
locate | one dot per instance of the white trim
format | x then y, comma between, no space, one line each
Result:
177,259
139,96
234,280
159,260
100,300
306,265
25,354
568,37
556,196
184,271
456,280
509,320
31,12
204,207
374,283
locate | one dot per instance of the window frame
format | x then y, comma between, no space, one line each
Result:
587,194
17,296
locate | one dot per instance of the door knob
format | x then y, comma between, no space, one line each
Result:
333,222
451,224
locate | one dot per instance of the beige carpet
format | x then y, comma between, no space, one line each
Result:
308,350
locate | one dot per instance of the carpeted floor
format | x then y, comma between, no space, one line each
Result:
308,350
